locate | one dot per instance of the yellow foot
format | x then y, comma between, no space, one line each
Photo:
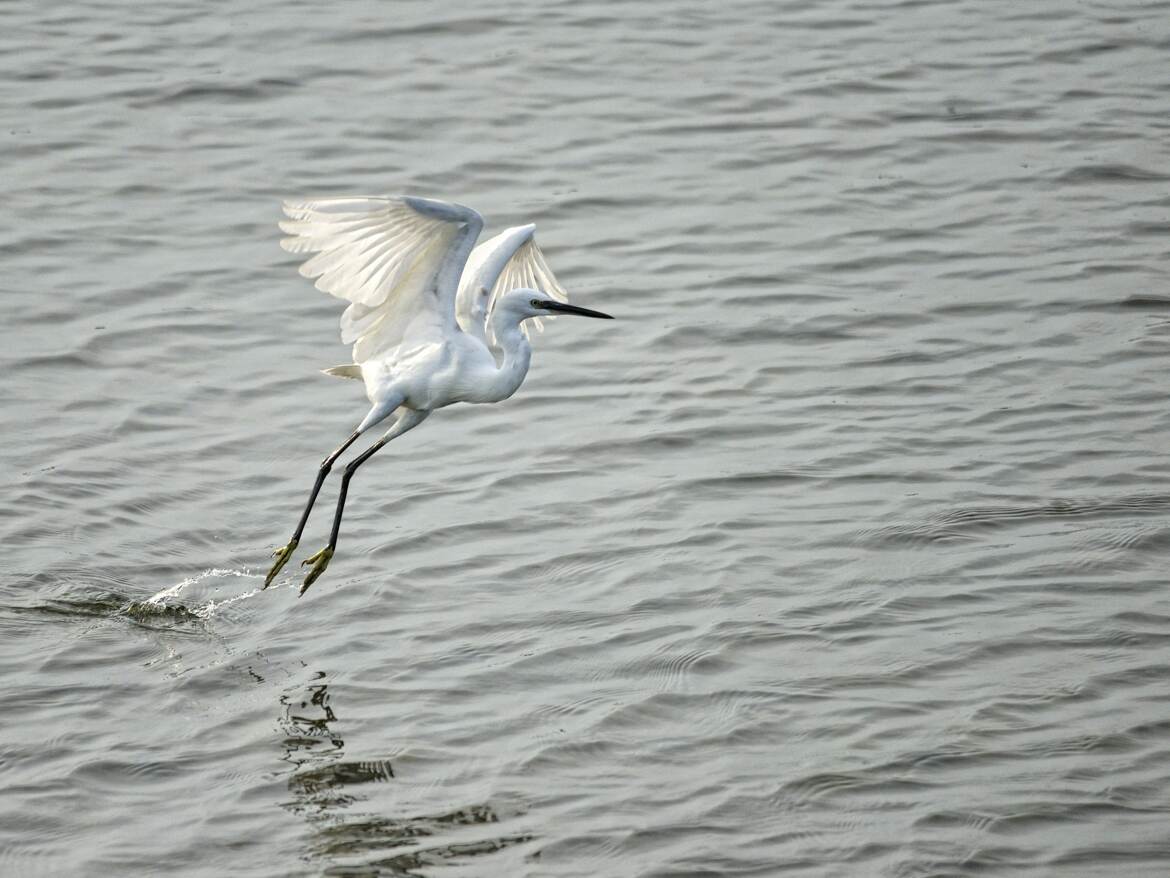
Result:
319,561
281,555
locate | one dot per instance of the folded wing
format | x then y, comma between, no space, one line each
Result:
396,259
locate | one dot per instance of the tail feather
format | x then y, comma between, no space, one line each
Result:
351,370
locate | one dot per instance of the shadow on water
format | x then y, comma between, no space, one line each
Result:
328,790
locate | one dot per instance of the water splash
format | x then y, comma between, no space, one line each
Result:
175,601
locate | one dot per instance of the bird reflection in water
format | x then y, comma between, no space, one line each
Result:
325,789
314,747
306,721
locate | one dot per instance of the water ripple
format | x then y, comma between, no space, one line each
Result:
840,551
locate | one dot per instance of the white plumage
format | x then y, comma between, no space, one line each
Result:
432,321
384,256
514,260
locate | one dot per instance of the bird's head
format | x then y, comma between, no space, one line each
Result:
522,304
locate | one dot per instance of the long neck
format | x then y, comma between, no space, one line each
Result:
513,353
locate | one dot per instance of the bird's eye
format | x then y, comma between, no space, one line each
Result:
536,303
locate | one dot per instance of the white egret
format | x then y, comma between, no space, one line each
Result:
432,322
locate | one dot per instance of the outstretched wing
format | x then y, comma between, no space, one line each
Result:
396,259
508,261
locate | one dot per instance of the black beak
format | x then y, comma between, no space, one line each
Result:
563,308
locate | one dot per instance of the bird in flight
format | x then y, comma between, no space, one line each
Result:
432,321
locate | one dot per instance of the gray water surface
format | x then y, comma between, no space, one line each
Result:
841,552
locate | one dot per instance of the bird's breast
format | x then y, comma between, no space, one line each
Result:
433,375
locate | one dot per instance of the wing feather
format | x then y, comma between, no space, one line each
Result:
531,270
395,259
511,260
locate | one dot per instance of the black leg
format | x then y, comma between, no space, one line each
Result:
285,552
321,560
326,466
350,468
408,419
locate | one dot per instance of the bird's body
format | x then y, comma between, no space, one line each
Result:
432,321
436,372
